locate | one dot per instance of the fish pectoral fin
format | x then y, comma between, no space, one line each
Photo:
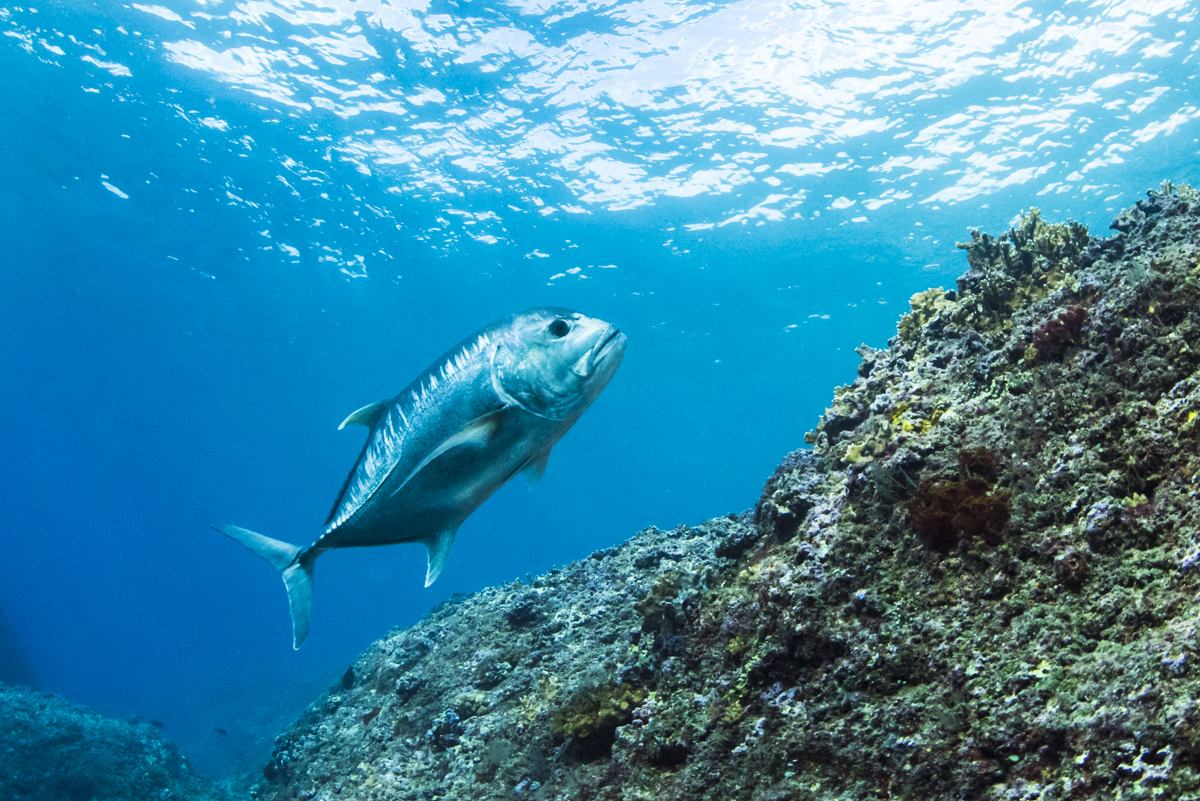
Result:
439,548
478,433
535,468
365,415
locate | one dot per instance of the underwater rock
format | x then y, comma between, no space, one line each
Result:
979,583
51,750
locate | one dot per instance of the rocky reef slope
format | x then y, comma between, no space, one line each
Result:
51,750
979,583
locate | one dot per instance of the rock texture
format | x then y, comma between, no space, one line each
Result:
979,583
54,751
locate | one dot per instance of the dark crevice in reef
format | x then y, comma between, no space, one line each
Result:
980,582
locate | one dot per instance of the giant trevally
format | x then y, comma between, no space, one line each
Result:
492,406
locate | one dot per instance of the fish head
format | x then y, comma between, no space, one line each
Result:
554,362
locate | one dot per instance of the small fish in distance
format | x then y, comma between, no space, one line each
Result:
492,406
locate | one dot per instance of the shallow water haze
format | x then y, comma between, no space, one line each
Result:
226,225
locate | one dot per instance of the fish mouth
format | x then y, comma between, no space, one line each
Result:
611,340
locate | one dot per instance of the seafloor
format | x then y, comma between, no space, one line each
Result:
51,750
979,583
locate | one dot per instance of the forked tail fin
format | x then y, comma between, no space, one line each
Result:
294,562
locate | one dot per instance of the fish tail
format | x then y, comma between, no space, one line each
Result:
296,565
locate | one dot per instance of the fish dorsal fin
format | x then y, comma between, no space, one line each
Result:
535,468
365,415
478,433
439,548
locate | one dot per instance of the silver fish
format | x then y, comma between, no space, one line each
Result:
492,406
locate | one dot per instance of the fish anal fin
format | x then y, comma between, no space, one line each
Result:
535,468
439,548
365,415
476,433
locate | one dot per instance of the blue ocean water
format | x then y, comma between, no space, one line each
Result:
228,223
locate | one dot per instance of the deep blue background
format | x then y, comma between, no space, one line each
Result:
165,368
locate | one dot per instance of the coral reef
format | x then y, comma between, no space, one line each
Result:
51,750
980,582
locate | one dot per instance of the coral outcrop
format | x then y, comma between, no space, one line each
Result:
51,750
982,581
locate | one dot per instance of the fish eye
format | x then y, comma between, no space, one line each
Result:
559,328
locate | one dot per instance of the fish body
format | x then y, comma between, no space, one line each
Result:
489,408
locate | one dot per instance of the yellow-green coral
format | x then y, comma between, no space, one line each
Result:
904,420
857,453
925,306
596,710
907,421
532,705
1135,500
